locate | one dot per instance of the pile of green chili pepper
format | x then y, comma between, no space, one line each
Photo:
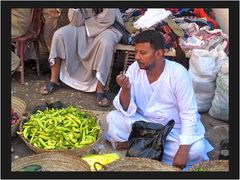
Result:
65,128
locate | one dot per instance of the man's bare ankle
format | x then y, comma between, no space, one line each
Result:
121,145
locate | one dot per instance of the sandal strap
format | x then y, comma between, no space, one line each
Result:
51,87
101,95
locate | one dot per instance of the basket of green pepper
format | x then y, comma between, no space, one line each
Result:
69,130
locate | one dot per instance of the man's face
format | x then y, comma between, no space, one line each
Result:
145,55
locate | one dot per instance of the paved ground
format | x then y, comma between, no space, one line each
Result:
216,130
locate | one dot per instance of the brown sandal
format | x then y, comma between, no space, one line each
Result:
102,99
49,88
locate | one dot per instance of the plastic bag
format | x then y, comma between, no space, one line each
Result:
147,139
220,103
126,36
204,66
103,159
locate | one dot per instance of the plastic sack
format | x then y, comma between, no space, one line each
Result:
220,103
148,139
102,159
204,66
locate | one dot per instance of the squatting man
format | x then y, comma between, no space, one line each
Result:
157,90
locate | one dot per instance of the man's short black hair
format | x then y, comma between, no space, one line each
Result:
155,38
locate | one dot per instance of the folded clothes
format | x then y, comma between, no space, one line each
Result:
151,17
176,29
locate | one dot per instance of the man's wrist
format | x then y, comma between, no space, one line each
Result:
184,147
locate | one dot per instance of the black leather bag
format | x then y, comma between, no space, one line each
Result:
148,139
126,36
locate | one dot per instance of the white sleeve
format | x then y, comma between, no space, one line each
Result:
187,105
132,108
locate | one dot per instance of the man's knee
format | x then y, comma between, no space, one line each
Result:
63,31
107,41
111,116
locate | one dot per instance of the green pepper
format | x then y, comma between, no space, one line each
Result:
86,142
33,135
42,142
25,132
75,118
72,120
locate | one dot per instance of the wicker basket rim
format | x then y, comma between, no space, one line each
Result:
17,99
130,163
19,106
52,160
216,164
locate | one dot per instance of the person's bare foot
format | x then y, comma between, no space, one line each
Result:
121,145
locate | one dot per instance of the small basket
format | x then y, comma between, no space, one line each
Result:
52,162
213,165
138,164
74,151
19,106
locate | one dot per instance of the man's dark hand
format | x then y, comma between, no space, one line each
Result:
123,81
181,158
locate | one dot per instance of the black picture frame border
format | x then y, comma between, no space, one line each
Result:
233,89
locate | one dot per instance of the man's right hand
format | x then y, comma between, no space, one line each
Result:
125,96
123,81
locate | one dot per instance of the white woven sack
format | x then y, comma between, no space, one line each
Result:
220,103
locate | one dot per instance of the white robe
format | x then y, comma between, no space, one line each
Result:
169,97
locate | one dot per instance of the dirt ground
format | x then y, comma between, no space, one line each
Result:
216,130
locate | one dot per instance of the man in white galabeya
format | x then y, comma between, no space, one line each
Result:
157,90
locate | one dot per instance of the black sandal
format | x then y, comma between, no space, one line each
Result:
102,99
49,88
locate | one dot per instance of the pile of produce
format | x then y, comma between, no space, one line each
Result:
14,117
65,128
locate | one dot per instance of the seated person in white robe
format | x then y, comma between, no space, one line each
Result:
81,52
157,90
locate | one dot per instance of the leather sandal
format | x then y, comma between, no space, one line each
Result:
102,99
49,88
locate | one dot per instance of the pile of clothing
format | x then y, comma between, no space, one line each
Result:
189,28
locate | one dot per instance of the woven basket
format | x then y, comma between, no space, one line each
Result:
213,165
52,162
19,106
138,164
75,151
